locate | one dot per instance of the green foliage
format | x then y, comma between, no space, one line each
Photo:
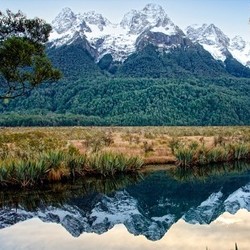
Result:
218,101
31,158
236,69
75,62
185,156
23,62
105,62
183,87
180,62
110,163
195,154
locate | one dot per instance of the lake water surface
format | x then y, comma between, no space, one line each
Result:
202,209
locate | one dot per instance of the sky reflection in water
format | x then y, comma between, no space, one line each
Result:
220,234
160,210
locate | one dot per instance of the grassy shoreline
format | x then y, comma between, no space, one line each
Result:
37,155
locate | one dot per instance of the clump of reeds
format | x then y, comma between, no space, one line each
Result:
240,151
195,154
75,161
185,156
147,147
53,166
22,172
95,142
108,163
56,165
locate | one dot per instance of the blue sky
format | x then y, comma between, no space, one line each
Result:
229,15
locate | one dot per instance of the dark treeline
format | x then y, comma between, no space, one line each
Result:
133,101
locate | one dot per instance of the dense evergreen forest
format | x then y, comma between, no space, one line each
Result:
183,87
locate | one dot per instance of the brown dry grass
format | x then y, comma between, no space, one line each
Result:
150,143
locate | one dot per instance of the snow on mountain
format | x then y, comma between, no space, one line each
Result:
211,38
139,27
218,44
94,19
67,27
152,17
117,39
239,199
240,50
64,21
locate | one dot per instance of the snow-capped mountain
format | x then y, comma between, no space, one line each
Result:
120,39
139,28
240,50
211,38
218,44
151,25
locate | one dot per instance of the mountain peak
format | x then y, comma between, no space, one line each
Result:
152,7
211,38
138,21
94,18
238,43
154,13
67,10
64,20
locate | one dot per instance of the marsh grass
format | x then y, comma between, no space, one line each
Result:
36,155
185,156
31,168
147,147
75,161
195,154
240,151
108,163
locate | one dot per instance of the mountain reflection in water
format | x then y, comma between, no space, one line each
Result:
148,205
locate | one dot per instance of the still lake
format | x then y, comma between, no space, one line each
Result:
205,208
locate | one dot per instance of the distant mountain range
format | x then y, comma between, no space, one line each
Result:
144,65
151,25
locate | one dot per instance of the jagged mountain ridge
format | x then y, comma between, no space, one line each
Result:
218,44
124,38
120,40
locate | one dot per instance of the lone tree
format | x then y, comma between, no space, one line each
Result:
23,62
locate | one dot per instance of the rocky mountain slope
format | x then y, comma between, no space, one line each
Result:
139,27
120,39
218,44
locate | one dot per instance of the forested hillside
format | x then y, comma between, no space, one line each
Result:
185,87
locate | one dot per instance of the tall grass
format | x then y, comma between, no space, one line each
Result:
29,158
185,156
37,155
57,165
107,163
194,154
